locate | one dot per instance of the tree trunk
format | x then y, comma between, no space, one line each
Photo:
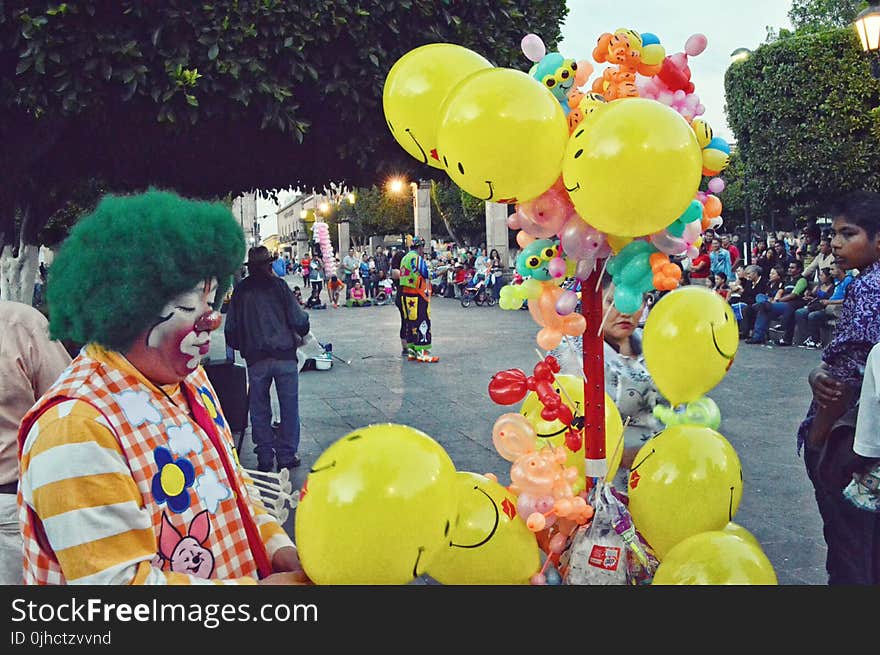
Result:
443,214
17,274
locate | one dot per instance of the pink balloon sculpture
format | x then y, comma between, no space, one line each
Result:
544,216
539,478
672,85
583,243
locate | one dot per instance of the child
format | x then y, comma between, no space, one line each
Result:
358,296
297,293
314,301
386,289
827,432
334,287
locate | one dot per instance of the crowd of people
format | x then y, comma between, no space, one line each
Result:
130,428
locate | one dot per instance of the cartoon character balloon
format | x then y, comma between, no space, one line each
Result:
535,259
558,74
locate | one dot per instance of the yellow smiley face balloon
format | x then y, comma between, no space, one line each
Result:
684,481
377,507
502,135
552,433
489,542
414,91
715,558
690,340
633,168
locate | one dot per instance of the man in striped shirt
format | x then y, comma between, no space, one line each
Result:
128,469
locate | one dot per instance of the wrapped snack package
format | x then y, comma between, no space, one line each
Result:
598,553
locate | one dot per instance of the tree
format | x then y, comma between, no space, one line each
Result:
819,15
216,98
803,110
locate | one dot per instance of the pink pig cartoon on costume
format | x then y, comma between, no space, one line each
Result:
187,554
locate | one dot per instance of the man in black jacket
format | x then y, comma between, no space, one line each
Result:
754,284
266,324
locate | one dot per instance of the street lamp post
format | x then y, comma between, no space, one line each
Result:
867,26
739,55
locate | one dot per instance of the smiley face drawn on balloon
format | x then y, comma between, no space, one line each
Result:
501,136
379,505
534,260
414,90
686,480
690,342
489,542
553,433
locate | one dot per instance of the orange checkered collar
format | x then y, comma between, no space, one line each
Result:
118,361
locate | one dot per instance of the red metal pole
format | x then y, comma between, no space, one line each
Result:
594,383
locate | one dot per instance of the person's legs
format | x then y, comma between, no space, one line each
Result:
347,286
420,332
398,302
815,321
287,440
800,320
761,313
786,313
260,408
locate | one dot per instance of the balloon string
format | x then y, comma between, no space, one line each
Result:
602,274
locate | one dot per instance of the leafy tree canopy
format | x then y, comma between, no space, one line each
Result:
803,110
212,97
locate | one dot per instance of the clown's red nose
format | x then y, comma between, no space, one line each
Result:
208,322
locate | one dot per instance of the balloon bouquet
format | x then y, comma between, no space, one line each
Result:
322,238
602,175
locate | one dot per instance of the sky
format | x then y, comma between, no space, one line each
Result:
727,24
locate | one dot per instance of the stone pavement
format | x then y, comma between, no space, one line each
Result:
762,400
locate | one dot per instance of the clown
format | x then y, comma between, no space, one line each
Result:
128,471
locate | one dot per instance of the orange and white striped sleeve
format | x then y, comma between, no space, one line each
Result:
77,481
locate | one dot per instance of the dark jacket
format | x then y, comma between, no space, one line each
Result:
265,320
750,291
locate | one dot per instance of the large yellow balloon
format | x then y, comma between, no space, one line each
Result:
414,91
684,481
633,168
502,135
376,508
690,340
489,543
738,531
552,433
715,558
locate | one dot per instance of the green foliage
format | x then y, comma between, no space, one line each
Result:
210,98
802,110
818,15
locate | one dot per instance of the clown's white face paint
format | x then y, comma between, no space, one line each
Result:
183,334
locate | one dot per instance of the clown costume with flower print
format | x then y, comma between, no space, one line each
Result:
128,469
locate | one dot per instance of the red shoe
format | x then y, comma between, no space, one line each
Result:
426,357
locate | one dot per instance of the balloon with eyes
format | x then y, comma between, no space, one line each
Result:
627,50
538,260
559,75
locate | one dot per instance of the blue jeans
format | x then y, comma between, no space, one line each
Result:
766,311
810,322
283,446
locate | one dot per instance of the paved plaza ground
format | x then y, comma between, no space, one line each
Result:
762,400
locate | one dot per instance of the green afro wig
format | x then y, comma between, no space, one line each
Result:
126,260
